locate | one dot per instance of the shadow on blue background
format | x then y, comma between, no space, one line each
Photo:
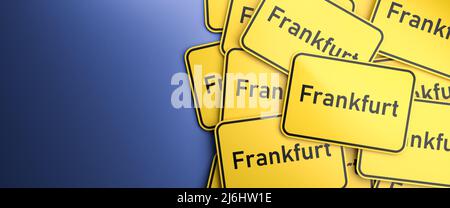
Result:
85,96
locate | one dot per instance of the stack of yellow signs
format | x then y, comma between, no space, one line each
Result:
298,95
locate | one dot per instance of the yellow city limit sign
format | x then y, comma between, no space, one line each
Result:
354,104
417,32
280,29
204,65
253,153
240,12
425,160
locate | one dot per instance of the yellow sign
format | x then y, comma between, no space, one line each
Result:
239,13
417,32
354,180
204,65
425,160
362,8
280,29
251,87
214,175
215,12
385,184
429,87
381,59
354,104
254,154
248,80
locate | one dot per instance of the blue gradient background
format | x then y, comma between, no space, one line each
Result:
85,94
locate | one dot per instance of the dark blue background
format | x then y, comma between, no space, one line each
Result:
85,94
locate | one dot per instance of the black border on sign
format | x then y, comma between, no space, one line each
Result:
219,149
360,155
211,172
225,28
431,101
381,60
207,23
284,70
286,106
191,80
224,82
403,59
